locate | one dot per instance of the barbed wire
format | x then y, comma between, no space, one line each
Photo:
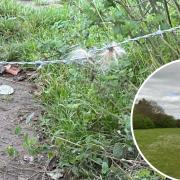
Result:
158,32
93,50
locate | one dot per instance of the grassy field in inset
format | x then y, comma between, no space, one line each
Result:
161,147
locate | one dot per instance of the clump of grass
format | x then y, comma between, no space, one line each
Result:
12,152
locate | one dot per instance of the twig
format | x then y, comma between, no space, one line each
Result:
33,175
133,161
122,169
70,142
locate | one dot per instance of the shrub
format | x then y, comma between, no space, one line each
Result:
164,121
178,123
142,122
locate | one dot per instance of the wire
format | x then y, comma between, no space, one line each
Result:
94,50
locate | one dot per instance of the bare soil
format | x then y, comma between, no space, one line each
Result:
14,110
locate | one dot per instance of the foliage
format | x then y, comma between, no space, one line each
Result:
178,123
142,122
144,174
18,130
11,151
30,144
88,122
148,114
148,107
79,122
164,121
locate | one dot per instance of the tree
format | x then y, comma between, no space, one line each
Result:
148,114
178,123
148,107
142,122
164,121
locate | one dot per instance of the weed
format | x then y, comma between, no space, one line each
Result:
11,151
17,130
88,122
30,144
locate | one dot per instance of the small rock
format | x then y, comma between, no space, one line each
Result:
56,174
2,70
28,159
20,78
6,90
21,178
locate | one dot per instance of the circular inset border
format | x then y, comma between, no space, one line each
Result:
132,109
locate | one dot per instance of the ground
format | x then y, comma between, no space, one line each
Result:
161,147
14,111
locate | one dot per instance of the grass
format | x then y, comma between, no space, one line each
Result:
161,147
45,2
87,123
79,121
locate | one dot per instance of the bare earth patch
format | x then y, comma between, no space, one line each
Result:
14,110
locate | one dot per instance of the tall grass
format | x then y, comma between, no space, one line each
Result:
87,122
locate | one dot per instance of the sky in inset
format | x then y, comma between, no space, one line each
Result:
164,88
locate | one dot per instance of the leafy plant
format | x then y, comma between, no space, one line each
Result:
88,122
17,130
30,144
11,151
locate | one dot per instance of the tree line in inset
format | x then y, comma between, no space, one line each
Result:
148,114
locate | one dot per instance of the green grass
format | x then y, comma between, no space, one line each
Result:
161,147
44,2
82,119
87,123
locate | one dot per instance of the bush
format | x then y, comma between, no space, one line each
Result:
178,123
164,121
142,122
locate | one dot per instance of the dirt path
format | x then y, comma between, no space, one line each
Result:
14,110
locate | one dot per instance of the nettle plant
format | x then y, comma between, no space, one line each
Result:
88,125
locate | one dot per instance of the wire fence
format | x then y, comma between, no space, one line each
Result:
94,50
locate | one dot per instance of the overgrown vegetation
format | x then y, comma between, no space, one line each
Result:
88,122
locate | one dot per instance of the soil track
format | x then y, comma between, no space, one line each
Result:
14,109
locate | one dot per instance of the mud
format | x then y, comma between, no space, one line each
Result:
14,110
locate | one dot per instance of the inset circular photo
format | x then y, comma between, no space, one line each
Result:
155,120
